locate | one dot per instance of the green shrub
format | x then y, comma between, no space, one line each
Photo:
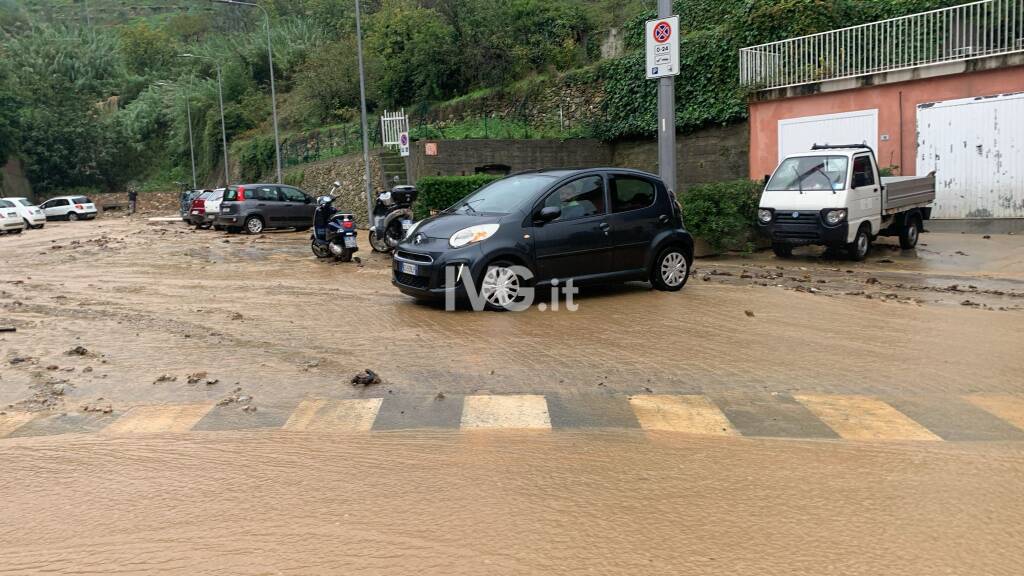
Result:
255,157
440,192
723,214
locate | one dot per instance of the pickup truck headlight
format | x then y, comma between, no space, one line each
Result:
472,235
764,215
833,217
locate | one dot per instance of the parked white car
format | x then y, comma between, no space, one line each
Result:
10,221
29,212
69,207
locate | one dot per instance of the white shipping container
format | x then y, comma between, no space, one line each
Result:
976,148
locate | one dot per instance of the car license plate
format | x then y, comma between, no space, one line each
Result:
350,241
406,224
407,268
225,210
195,211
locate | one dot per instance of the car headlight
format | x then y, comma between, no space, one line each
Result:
472,235
764,215
833,217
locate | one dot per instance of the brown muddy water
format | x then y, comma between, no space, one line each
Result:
508,503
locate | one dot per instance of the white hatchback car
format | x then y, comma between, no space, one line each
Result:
10,221
29,212
69,207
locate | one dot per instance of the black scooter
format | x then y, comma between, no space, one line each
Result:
392,217
334,231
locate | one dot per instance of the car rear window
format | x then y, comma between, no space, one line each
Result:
231,194
6,204
629,193
81,200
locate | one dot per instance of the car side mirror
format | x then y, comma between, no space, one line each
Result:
307,199
548,213
767,177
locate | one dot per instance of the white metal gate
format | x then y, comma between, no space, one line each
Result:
799,134
392,124
976,148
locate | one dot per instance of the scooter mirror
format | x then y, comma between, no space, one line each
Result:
337,184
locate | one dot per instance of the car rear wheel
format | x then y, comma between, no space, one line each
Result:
72,216
671,269
910,232
253,225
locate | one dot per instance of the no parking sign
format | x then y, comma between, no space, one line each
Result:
403,143
663,47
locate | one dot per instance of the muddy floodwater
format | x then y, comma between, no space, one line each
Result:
508,503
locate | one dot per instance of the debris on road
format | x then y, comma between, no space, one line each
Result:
366,378
749,313
8,329
165,378
98,405
196,377
77,351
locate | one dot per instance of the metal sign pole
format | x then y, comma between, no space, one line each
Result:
667,115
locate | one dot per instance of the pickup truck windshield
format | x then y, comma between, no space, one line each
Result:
810,173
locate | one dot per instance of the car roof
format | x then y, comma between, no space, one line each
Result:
68,197
563,172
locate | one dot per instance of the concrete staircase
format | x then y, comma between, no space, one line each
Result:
392,166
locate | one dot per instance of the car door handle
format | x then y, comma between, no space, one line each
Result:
663,219
604,227
261,204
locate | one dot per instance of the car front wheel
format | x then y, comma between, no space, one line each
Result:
502,287
671,269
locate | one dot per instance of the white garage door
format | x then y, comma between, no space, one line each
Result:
799,134
976,148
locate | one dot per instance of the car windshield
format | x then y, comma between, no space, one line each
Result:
504,196
808,173
81,200
23,202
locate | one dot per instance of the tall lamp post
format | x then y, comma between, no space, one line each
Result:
362,111
273,94
191,143
223,126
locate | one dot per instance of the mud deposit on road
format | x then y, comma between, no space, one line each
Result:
264,323
506,503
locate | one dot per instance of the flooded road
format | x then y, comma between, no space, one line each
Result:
507,503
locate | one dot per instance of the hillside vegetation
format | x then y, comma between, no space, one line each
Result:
93,95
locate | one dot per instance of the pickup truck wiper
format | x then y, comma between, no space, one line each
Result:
799,180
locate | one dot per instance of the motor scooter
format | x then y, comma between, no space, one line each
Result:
334,231
392,217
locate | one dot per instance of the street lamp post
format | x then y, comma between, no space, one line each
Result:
362,110
273,94
191,143
223,126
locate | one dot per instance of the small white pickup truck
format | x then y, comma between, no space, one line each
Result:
834,196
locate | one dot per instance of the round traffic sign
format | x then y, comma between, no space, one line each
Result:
404,139
662,32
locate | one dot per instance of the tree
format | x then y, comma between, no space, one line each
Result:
146,49
9,105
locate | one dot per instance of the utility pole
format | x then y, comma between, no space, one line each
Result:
667,116
273,93
223,125
362,109
191,144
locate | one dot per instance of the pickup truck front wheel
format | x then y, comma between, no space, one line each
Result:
860,246
782,250
910,232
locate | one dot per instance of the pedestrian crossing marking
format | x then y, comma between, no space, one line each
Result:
157,419
525,411
11,421
863,418
1008,408
692,414
318,414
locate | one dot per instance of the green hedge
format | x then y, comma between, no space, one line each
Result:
440,192
723,214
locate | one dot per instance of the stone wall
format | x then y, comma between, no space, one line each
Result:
465,157
13,181
316,179
708,155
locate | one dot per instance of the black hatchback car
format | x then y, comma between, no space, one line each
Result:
591,226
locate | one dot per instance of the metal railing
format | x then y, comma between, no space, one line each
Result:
974,30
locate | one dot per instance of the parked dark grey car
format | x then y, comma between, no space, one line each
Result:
255,207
